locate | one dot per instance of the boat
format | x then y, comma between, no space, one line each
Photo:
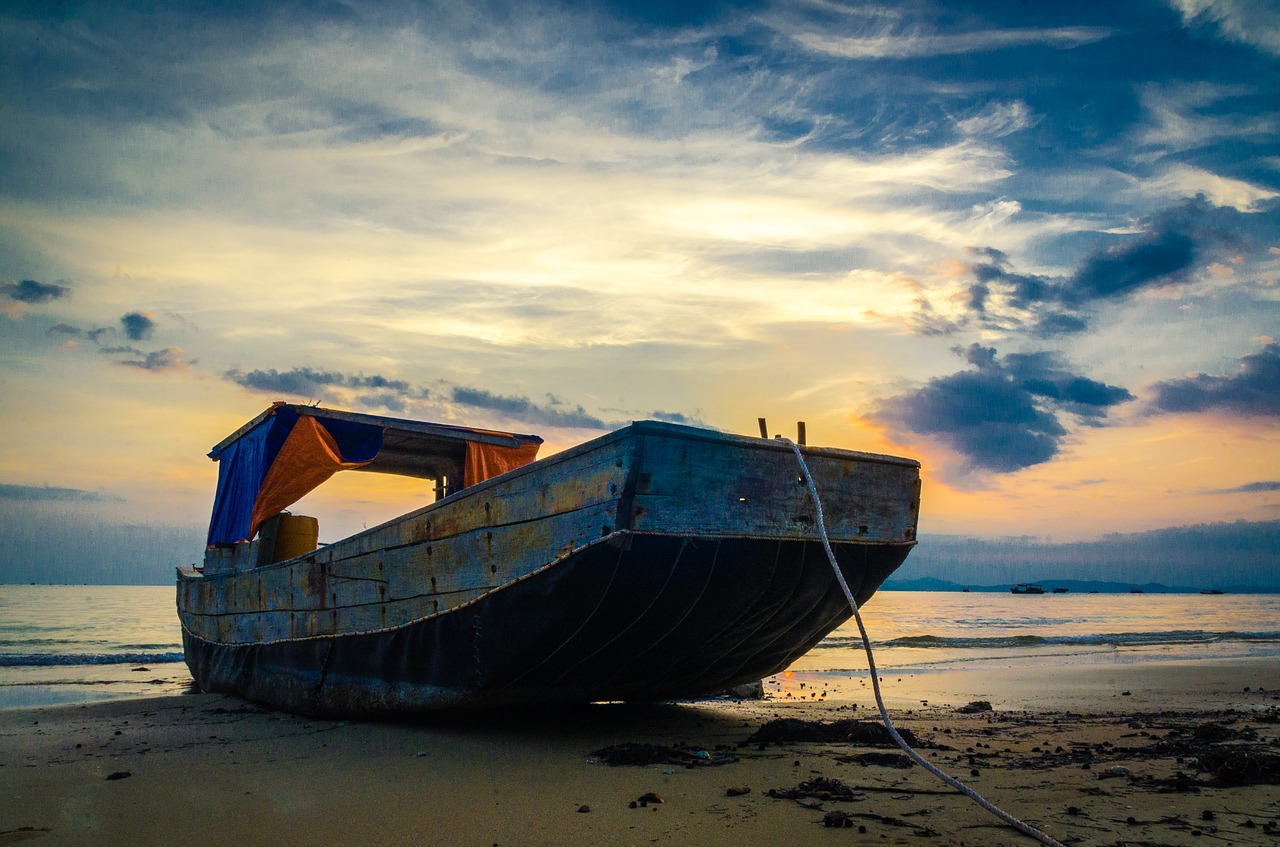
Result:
1212,591
657,562
1061,590
1026,588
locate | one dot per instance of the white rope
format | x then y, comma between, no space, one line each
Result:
1021,826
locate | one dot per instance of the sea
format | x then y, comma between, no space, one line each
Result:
74,644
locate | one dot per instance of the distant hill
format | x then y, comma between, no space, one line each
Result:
1240,557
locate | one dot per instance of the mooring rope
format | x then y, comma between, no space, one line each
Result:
1017,824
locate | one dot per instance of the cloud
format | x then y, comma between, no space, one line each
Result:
554,413
1158,257
1253,23
398,395
1173,245
1253,392
312,384
30,291
1248,488
168,359
66,329
45,493
1002,416
1183,180
888,45
138,326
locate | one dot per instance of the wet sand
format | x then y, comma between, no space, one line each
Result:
1064,748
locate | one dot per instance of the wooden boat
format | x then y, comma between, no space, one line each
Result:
1026,588
657,562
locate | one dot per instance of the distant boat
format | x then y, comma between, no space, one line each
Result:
1061,590
1136,591
1026,588
656,562
1212,591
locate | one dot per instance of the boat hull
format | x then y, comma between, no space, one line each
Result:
644,618
657,563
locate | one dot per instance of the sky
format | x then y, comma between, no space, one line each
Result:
1033,245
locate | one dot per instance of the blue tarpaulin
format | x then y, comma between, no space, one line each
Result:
244,463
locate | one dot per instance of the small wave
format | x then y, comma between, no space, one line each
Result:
1114,639
19,660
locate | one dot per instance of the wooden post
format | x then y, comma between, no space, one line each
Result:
764,428
800,433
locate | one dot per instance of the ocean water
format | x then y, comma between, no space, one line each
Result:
70,644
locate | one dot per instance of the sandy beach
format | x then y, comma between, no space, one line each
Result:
1093,756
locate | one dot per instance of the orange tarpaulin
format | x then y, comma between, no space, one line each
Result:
486,460
308,457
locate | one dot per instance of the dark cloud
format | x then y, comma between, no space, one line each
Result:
137,326
1004,415
1040,375
299,382
66,329
675,417
44,493
168,359
1173,244
312,384
1254,390
1157,258
31,291
1249,488
524,409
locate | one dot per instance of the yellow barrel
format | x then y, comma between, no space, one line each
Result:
284,536
295,535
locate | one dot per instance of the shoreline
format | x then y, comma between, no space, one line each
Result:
210,769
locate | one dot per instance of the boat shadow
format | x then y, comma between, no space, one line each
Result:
670,722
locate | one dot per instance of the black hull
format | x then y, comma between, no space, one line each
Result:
639,618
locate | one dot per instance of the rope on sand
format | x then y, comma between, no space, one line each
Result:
1017,824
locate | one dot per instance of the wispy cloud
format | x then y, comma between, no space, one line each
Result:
1265,487
1254,23
43,493
909,45
168,359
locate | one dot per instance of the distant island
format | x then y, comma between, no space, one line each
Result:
1241,557
1070,586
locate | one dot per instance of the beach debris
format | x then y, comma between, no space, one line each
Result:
142,669
795,730
837,818
1119,771
883,760
819,788
118,775
584,808
1233,766
1216,733
974,707
737,791
645,799
632,753
748,691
